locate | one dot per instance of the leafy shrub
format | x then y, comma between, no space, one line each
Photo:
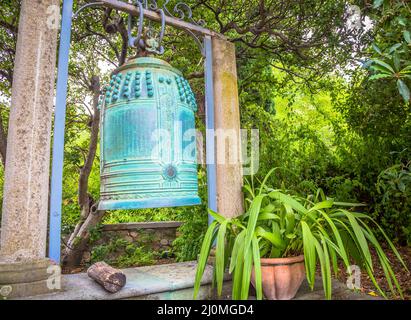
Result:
345,189
394,209
133,254
188,244
279,223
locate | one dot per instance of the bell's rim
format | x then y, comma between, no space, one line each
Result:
146,203
146,62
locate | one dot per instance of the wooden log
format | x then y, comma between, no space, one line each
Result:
108,277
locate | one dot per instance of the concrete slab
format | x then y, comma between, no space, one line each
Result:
141,282
173,282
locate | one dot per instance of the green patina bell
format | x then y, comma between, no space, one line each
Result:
148,145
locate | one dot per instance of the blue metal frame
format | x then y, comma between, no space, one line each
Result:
58,139
210,141
59,128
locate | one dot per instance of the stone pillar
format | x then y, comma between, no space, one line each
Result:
23,262
227,126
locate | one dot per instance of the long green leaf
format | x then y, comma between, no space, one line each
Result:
374,281
407,36
290,223
248,264
360,238
333,250
406,70
322,205
252,221
284,198
384,65
380,76
238,274
216,216
309,253
393,249
350,242
270,236
326,273
248,188
257,268
391,245
349,204
384,262
239,241
265,179
403,89
337,237
202,261
219,260
268,216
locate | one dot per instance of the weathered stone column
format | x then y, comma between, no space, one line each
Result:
23,260
227,125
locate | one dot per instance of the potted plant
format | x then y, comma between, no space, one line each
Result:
282,237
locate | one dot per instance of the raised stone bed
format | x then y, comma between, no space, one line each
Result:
154,236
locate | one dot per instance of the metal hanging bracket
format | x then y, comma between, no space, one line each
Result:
148,43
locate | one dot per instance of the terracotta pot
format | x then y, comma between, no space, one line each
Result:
281,277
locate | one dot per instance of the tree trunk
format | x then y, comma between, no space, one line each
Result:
89,216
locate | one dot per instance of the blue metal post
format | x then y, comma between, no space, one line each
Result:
58,139
210,139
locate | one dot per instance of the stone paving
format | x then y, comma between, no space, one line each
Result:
339,292
171,282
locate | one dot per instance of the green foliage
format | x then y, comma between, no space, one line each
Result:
133,254
278,223
187,245
345,188
394,209
141,215
393,62
392,68
96,233
325,122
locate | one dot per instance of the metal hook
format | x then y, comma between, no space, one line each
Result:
163,27
151,45
135,41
